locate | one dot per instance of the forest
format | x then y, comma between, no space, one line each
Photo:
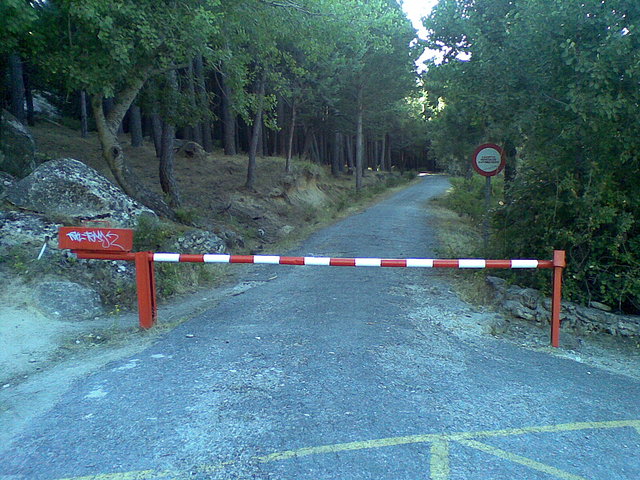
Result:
555,83
325,80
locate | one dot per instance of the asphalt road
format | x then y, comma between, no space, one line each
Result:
340,373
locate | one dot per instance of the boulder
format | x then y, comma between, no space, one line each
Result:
189,149
70,190
22,228
65,300
17,147
42,107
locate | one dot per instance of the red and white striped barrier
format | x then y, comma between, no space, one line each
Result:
350,262
114,244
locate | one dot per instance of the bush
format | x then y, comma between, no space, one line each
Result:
466,197
590,215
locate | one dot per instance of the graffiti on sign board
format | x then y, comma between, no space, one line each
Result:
106,239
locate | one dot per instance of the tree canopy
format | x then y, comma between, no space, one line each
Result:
559,81
249,62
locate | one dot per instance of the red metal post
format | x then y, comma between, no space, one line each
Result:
145,281
559,263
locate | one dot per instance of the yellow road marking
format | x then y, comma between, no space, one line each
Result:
341,447
395,441
439,443
137,475
440,460
527,462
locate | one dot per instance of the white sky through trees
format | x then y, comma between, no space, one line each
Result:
415,10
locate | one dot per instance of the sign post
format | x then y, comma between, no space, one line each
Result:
488,160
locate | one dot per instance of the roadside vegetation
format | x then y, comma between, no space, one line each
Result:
555,84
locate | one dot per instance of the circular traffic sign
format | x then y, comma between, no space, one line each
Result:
488,159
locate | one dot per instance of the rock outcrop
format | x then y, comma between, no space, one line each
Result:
25,229
72,191
64,300
196,241
531,305
17,147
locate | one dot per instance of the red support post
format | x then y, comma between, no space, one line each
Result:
145,281
559,263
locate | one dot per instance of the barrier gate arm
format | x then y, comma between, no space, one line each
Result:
116,244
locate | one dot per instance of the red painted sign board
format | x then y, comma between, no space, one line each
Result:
95,239
488,159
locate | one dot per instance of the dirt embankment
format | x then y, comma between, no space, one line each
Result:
212,190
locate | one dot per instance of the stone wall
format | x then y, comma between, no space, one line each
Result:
530,304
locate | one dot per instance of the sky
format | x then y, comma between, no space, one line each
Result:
416,9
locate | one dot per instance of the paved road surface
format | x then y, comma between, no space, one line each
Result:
340,373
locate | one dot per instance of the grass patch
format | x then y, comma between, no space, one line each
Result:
458,218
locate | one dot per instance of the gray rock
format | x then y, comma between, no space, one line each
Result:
44,108
600,306
497,283
71,190
6,181
517,309
17,147
529,304
22,228
196,241
231,239
67,300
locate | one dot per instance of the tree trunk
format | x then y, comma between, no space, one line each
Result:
255,136
350,160
109,104
113,154
292,129
156,123
260,151
28,94
340,139
229,119
359,140
16,87
388,152
196,132
203,103
84,119
383,151
279,137
308,143
167,177
335,158
315,151
135,125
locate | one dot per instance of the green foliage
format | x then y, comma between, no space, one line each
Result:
151,233
594,220
558,80
174,279
467,197
16,21
188,216
100,45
